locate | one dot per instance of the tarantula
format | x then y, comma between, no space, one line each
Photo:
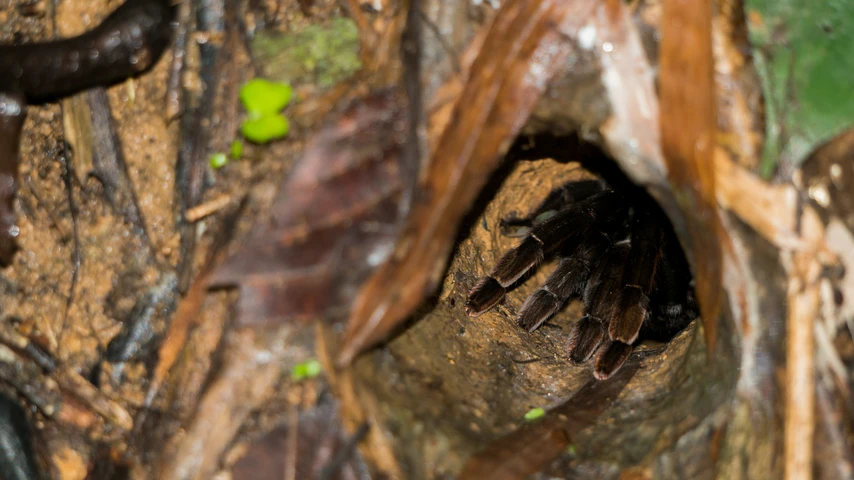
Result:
617,253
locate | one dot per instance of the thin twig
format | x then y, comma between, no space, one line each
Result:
212,206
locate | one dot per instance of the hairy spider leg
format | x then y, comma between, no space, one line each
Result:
489,291
601,298
610,357
571,224
672,301
656,300
566,282
586,336
670,304
558,199
639,280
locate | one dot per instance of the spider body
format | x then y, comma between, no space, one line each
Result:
617,253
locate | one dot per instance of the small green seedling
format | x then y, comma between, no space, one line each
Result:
218,160
263,101
236,149
534,414
264,97
308,369
264,129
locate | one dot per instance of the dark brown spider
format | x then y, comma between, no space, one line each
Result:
617,253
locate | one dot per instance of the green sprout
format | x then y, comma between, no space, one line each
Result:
265,97
264,129
263,101
534,414
218,160
236,149
307,369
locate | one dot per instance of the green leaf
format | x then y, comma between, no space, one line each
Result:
265,128
263,97
218,160
308,369
236,149
803,57
534,414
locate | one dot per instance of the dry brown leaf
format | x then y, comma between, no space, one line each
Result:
688,130
335,218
